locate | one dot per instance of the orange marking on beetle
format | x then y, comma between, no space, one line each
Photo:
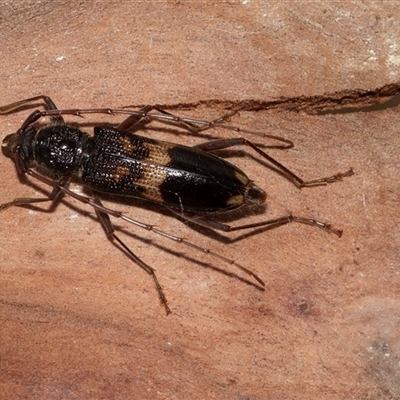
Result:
120,172
127,144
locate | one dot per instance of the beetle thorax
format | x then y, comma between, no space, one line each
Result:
60,149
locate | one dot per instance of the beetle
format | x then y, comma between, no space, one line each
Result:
192,182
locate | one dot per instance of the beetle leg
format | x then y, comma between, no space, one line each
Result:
119,214
53,196
110,232
220,144
49,105
135,119
268,225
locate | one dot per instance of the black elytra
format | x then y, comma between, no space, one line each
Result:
113,161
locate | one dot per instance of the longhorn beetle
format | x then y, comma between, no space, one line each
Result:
190,181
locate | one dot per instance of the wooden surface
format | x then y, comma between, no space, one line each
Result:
80,321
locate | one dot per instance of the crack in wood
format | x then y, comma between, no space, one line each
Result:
353,100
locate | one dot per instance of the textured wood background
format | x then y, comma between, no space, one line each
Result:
80,321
